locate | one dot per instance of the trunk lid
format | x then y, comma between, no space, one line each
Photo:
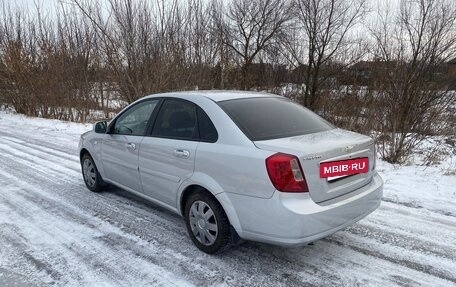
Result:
328,146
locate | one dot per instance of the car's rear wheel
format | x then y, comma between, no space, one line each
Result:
92,177
207,223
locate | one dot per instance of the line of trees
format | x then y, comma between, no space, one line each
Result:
84,56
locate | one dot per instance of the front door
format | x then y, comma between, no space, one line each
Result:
121,144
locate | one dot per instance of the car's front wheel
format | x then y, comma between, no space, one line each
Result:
207,223
92,177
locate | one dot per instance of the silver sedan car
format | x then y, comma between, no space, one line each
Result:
236,165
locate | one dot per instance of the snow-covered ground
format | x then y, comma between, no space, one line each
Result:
54,231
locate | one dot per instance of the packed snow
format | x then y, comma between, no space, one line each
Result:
54,231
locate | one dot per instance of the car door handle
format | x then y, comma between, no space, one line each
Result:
182,153
131,146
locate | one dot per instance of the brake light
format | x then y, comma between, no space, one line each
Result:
286,173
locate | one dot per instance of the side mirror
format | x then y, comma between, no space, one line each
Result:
100,127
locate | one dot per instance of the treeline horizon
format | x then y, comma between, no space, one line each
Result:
84,56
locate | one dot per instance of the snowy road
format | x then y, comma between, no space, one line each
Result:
54,231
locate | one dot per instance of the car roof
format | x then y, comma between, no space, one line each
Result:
218,95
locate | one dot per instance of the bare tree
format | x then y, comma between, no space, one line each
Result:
322,31
125,32
414,44
250,27
47,63
17,50
201,48
152,47
78,48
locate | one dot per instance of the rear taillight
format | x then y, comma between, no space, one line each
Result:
286,173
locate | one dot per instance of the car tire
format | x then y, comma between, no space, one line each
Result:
92,177
207,224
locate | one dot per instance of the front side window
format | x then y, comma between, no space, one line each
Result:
134,120
177,120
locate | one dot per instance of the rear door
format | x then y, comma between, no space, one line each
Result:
120,145
167,157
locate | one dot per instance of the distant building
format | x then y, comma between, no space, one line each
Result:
373,73
368,73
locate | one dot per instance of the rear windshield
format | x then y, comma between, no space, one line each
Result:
271,118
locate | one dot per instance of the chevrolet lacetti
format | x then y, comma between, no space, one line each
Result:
236,165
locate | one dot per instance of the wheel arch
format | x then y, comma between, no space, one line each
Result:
187,192
96,158
222,198
82,152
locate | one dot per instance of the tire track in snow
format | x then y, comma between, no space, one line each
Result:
41,158
418,206
126,226
418,266
404,241
48,151
30,178
57,142
76,245
422,215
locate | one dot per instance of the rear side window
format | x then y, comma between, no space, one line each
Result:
207,131
271,118
183,120
176,120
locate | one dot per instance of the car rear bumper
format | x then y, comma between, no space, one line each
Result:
289,219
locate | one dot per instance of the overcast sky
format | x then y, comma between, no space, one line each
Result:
50,4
